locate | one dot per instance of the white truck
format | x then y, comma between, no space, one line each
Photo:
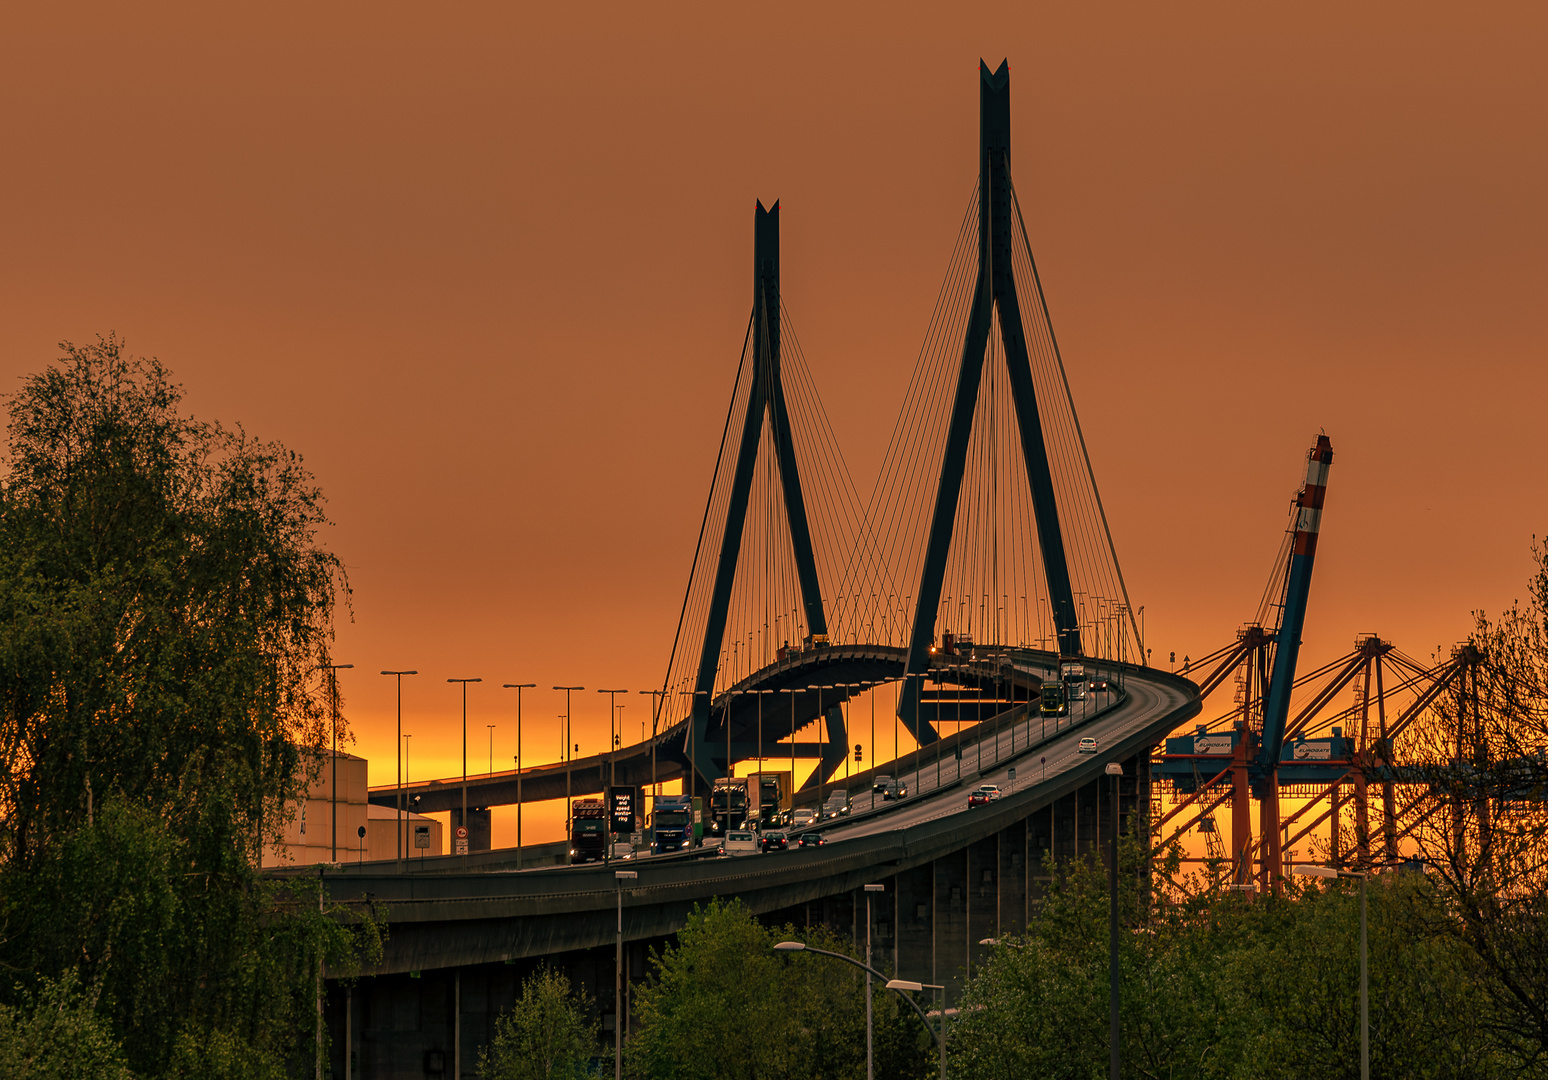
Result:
1073,674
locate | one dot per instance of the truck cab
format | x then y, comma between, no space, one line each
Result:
1073,674
673,824
728,806
588,831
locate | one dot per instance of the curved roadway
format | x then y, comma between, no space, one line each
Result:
455,918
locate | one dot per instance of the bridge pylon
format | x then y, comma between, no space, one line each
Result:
995,292
765,403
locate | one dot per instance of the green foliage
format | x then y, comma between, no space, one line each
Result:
1223,985
163,606
1482,744
55,1034
546,1036
722,1005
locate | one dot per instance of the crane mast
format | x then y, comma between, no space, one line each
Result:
1303,553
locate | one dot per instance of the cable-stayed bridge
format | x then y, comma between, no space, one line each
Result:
979,562
983,537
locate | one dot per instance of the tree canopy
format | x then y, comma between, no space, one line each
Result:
164,604
545,1036
721,1004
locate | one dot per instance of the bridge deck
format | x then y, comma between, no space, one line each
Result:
663,759
469,918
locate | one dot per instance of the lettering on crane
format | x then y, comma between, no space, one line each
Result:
1212,744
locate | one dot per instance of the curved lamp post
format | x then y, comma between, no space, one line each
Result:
899,985
1114,770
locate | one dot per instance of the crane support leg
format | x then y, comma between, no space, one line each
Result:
1241,813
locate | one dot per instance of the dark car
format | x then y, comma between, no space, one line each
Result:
1101,685
978,798
896,789
880,784
811,839
774,841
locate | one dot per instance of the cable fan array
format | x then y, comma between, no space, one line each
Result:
995,589
766,610
869,561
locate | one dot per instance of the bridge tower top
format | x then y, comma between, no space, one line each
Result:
766,407
994,294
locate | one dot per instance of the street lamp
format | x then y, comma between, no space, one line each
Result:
758,783
406,810
612,733
822,735
333,696
518,687
567,796
655,715
398,805
620,876
1115,771
1365,996
792,691
898,985
693,740
870,1071
464,821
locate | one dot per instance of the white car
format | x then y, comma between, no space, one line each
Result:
991,790
1087,746
740,842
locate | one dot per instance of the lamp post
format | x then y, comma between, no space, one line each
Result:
822,736
518,687
655,715
620,876
1114,770
851,689
693,741
612,734
398,804
464,821
901,986
1365,985
333,698
792,691
870,1057
759,780
567,691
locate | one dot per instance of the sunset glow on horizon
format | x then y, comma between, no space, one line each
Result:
488,270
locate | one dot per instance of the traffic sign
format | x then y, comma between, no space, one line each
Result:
462,832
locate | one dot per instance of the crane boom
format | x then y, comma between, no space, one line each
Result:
1303,552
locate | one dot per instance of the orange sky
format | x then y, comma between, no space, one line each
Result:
488,270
